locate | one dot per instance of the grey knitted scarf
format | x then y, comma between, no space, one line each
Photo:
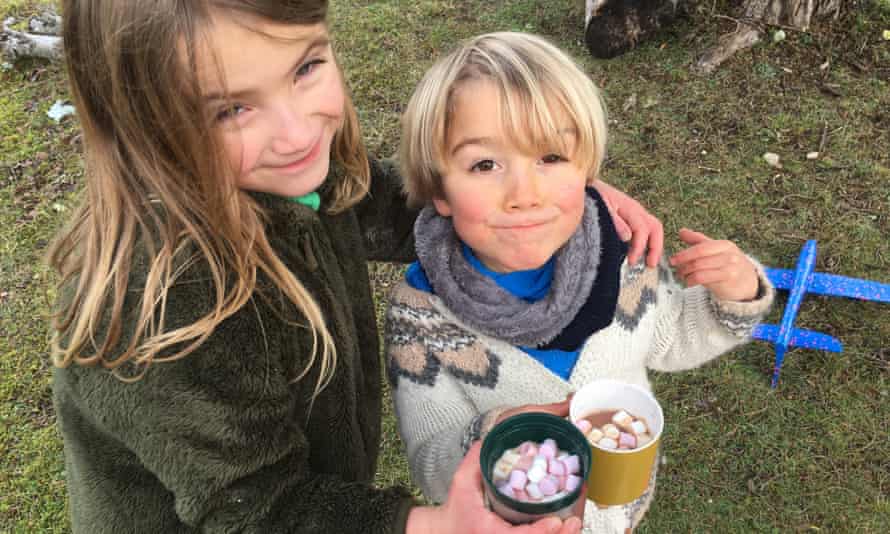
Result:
485,306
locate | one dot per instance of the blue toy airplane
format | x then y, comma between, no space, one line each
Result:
803,280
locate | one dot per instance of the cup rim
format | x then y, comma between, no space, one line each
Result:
646,393
542,507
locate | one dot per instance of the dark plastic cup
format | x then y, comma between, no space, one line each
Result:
534,426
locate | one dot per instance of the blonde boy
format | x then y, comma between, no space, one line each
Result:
522,292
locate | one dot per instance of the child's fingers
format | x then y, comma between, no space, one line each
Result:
691,237
656,243
706,277
714,261
701,249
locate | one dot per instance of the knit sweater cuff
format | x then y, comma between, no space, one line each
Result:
740,317
480,426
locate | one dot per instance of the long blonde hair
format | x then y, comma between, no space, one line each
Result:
158,186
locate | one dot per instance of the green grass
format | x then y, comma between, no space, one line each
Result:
812,455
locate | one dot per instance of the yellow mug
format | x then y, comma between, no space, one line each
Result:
619,476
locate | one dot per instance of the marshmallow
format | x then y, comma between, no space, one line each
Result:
622,419
638,427
583,425
555,467
518,479
534,492
524,463
548,448
536,473
520,495
594,436
611,431
528,448
572,464
627,441
510,456
507,490
548,486
607,443
572,483
501,470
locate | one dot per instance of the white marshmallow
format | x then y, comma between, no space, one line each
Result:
607,443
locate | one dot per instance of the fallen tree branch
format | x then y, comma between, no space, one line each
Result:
15,44
789,14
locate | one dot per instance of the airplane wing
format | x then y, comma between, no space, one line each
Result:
807,339
832,284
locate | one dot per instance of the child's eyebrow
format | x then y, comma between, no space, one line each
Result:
488,140
314,44
471,141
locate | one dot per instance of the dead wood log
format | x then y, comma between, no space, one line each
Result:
793,14
42,42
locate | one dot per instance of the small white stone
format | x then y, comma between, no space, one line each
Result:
772,159
779,36
812,155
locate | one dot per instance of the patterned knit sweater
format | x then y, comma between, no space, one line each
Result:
450,383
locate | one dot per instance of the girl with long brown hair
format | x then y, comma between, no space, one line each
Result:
218,367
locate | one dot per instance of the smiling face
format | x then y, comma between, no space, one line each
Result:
286,102
513,207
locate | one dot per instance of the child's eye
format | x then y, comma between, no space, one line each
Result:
230,112
307,68
486,165
553,158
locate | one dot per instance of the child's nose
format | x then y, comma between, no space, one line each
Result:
523,191
294,132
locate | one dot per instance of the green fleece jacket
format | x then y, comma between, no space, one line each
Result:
223,440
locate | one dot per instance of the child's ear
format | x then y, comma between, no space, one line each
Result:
442,207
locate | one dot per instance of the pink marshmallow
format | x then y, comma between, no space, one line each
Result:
524,463
518,479
626,440
507,490
528,448
556,467
572,464
583,425
547,449
572,483
520,495
561,482
548,486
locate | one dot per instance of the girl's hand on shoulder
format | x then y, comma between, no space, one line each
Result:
464,512
633,223
718,265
